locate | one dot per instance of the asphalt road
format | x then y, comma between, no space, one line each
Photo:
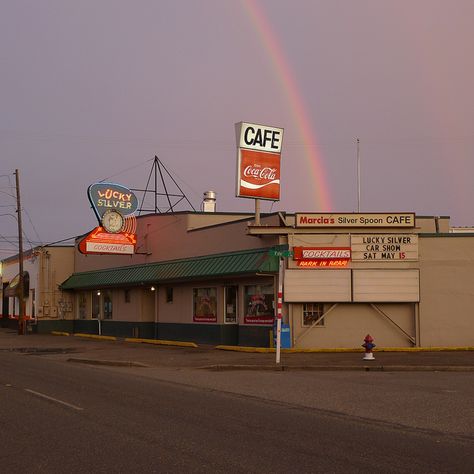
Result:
62,417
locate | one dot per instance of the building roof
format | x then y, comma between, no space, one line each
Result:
247,262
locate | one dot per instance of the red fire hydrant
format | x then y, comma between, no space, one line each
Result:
368,345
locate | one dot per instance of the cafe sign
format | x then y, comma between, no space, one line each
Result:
258,161
326,220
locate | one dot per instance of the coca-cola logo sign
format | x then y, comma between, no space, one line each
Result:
259,175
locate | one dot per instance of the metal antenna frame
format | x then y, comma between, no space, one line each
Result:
156,168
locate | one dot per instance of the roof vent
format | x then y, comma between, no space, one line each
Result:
209,202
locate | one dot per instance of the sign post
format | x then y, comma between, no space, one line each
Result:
281,254
279,305
258,163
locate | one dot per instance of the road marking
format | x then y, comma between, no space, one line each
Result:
42,395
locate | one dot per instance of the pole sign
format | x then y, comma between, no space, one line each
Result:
114,206
258,161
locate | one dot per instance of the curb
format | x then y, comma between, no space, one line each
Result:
162,342
113,363
158,342
339,368
339,350
96,336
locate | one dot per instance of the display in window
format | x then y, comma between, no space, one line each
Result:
259,304
205,305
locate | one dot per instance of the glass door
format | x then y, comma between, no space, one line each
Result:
230,304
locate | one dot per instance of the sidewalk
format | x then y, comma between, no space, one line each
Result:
129,352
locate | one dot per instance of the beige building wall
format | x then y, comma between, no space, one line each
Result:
346,325
447,290
126,310
147,313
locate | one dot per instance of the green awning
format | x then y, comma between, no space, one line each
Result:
248,262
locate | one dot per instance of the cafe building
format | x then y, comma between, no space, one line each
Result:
212,277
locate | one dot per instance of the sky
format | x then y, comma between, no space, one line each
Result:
94,90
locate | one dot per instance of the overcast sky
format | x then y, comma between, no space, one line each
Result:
94,89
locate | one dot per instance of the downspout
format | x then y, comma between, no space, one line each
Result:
156,312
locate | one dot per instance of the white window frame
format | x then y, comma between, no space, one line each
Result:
318,309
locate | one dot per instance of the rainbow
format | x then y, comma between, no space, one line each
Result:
289,85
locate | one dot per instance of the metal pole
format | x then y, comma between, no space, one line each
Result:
358,176
21,283
257,211
279,306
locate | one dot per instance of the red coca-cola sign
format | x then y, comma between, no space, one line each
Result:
258,175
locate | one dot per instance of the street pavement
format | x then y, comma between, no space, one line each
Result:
120,352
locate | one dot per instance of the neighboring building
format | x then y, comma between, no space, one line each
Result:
46,306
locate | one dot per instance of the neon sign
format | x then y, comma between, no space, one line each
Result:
114,206
323,263
329,257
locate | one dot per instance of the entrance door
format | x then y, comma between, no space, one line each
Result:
231,318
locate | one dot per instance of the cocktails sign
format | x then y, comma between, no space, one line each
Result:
258,161
114,206
326,257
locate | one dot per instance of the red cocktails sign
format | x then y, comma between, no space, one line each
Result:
330,257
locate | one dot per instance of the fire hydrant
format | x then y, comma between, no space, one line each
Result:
368,345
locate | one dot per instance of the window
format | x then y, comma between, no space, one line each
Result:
126,294
259,304
205,305
169,295
101,304
312,313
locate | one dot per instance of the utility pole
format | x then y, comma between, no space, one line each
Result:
358,176
21,283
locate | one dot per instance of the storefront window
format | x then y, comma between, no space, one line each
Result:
205,305
259,304
312,313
